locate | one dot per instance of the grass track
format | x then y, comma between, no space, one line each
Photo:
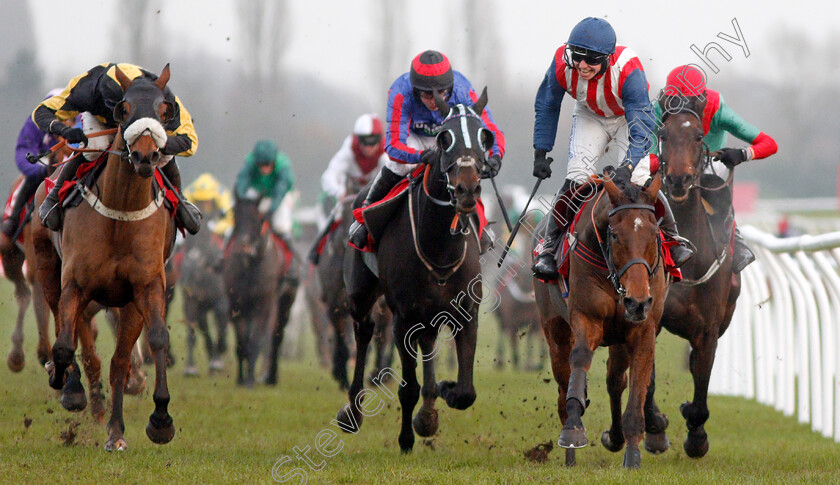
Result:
225,434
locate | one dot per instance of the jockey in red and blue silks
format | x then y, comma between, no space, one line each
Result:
413,120
612,120
719,119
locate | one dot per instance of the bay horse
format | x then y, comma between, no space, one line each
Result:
203,293
614,300
427,257
700,307
261,280
117,258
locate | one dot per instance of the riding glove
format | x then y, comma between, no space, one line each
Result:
542,169
732,156
428,156
72,135
492,166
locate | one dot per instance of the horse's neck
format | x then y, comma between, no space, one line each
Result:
433,220
692,222
586,231
120,187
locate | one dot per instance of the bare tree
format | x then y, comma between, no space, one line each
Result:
265,32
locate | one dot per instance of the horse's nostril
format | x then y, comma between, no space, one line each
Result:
136,156
154,157
477,191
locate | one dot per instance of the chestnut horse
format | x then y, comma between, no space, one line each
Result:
116,258
615,300
700,307
428,261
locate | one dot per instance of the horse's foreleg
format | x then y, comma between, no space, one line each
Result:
160,428
587,335
409,392
42,318
70,308
128,331
191,317
461,395
558,337
284,310
350,416
641,345
23,296
220,313
696,412
340,351
619,360
426,420
656,441
93,370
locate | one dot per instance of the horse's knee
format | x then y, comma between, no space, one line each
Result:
580,357
158,338
409,393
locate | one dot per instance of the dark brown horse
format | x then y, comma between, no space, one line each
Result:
427,257
614,300
700,307
117,258
261,280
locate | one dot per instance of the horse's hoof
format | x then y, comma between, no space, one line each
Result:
347,421
406,443
610,444
162,432
74,402
16,360
55,381
116,445
632,457
190,371
656,443
217,365
135,385
425,422
43,356
696,444
574,437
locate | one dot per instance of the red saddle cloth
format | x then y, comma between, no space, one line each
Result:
10,202
88,166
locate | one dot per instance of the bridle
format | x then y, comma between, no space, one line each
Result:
606,247
704,159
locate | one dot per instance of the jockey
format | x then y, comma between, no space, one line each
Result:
359,159
97,92
413,121
718,120
611,120
267,173
31,140
214,201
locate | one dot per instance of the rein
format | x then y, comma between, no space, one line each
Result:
606,247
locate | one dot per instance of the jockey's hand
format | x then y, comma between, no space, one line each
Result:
72,135
542,168
731,156
492,166
428,156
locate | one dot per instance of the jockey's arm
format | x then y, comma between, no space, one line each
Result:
30,140
334,177
761,144
285,182
547,110
181,138
398,123
640,117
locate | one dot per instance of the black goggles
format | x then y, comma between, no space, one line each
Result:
369,140
590,57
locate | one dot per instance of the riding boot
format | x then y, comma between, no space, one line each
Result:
314,256
545,267
383,183
681,252
186,215
743,255
28,187
50,210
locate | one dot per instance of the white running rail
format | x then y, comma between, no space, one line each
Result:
783,345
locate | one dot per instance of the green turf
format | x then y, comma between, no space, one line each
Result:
226,434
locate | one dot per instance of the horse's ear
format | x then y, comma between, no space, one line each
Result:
479,105
166,111
486,139
612,189
124,81
121,111
698,104
163,78
441,104
653,188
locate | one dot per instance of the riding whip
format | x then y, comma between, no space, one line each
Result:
501,203
519,222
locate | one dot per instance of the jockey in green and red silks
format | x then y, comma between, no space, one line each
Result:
719,119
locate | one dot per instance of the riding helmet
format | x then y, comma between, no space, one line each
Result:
265,152
685,80
593,34
430,71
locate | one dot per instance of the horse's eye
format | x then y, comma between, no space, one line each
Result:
699,137
613,236
662,136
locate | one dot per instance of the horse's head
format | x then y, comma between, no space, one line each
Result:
142,114
463,143
247,226
633,242
681,144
